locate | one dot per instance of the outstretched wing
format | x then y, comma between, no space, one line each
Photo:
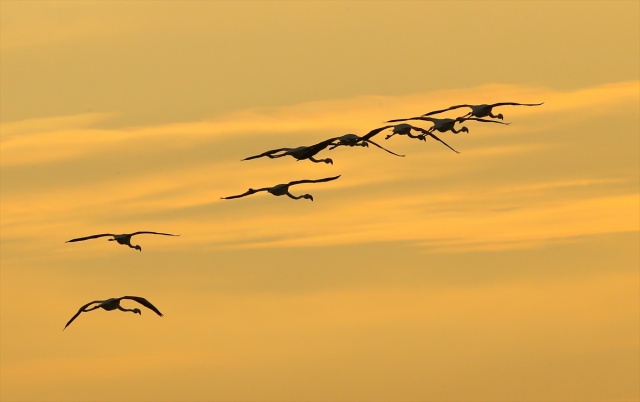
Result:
80,311
408,118
90,237
515,104
444,110
144,302
383,148
374,132
311,150
158,233
322,145
484,120
314,181
432,135
248,192
267,153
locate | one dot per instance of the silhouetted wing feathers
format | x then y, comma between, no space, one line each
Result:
408,118
144,302
158,233
322,145
515,104
374,132
383,148
266,153
90,237
81,311
444,110
485,120
438,139
314,181
248,192
72,318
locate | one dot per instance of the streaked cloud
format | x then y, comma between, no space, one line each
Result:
68,172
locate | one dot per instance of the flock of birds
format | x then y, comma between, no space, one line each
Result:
477,113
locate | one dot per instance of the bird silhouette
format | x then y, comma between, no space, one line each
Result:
443,125
124,239
353,140
483,110
112,304
300,153
282,189
405,129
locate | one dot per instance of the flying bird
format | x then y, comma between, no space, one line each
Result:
405,129
112,304
443,125
300,153
283,189
124,239
353,140
484,110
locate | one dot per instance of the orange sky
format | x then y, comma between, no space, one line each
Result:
508,272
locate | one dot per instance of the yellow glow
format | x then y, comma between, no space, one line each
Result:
508,272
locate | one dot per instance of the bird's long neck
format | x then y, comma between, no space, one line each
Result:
126,309
299,196
327,160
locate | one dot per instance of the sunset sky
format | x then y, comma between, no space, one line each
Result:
508,272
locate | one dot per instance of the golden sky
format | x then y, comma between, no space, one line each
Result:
508,272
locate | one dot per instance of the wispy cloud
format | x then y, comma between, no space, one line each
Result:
504,189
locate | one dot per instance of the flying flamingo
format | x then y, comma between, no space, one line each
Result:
484,110
124,239
300,153
282,189
353,140
112,304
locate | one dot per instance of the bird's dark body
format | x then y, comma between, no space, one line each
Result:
483,110
122,239
110,304
445,125
279,189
